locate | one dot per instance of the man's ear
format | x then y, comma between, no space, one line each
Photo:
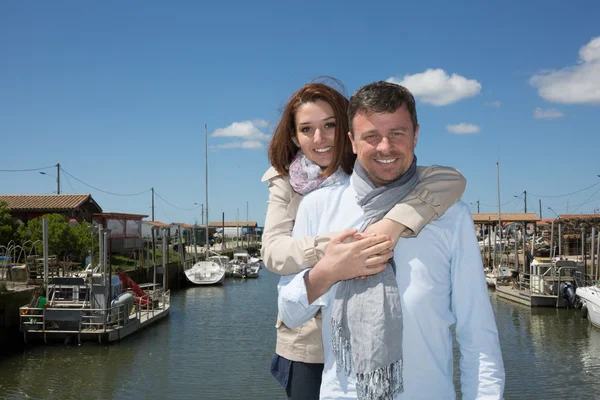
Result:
352,141
416,138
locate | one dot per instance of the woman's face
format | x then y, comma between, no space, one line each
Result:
315,132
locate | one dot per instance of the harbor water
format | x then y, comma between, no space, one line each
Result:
218,341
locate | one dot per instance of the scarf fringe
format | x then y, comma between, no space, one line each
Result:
341,349
382,384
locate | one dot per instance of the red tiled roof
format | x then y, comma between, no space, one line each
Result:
46,202
579,216
156,223
116,215
233,224
186,226
505,217
546,221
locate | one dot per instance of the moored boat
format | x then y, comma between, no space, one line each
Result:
208,272
92,306
589,296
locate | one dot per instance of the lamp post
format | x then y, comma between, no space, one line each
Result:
57,177
525,201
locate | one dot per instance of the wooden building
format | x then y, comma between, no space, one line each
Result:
78,207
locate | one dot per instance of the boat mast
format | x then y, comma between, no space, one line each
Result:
499,213
206,181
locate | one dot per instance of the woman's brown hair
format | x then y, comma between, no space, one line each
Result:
282,148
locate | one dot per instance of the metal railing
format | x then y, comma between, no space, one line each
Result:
96,319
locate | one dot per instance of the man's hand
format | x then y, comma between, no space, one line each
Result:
363,255
387,227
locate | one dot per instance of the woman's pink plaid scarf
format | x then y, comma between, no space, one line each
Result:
306,176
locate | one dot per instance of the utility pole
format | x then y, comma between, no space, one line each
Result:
58,178
202,214
477,206
153,239
525,192
540,208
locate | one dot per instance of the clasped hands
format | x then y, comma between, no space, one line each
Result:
353,255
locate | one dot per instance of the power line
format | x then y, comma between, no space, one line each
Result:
69,182
567,194
179,208
501,205
26,170
587,201
163,210
104,191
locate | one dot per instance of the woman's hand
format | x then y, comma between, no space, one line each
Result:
349,255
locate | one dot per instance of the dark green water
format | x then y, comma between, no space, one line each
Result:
218,341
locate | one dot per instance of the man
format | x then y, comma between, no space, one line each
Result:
388,336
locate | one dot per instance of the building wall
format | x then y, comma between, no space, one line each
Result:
233,232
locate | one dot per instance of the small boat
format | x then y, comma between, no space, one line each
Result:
497,276
238,266
550,283
252,270
589,297
238,271
209,272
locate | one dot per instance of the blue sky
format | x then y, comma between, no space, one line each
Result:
119,92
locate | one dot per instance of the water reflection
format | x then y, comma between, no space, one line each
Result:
545,352
217,344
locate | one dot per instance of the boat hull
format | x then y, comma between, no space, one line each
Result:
590,297
529,299
212,281
205,273
63,330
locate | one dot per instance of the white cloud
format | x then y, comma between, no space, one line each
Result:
261,123
463,129
434,86
549,113
495,104
249,131
577,84
249,144
244,129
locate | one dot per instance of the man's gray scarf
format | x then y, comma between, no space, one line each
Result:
366,314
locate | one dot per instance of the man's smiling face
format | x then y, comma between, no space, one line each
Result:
384,144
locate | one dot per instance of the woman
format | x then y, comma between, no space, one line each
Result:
311,149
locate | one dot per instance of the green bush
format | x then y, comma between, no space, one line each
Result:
64,241
7,227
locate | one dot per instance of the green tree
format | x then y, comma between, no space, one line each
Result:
23,235
7,226
61,239
83,242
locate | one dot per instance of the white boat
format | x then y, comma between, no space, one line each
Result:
209,272
589,296
252,270
497,276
